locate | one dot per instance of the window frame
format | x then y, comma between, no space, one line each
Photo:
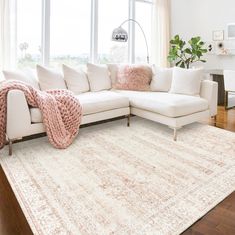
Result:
94,31
150,2
45,27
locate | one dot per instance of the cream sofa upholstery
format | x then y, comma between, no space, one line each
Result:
24,121
92,102
166,104
173,110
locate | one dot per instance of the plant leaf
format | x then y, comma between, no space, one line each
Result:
183,54
204,50
178,63
182,65
188,51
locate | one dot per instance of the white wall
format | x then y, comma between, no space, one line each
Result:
199,18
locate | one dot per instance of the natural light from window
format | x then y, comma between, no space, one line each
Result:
72,39
111,14
70,32
28,32
143,14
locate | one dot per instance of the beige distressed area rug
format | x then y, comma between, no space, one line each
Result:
119,180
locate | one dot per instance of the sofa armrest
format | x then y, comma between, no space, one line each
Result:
18,115
209,91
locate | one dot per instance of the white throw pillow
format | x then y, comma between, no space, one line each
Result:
25,76
98,76
161,80
113,69
186,81
50,79
75,79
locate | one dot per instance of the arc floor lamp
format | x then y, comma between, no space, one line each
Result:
120,35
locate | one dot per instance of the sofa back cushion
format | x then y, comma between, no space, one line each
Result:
186,81
133,77
76,79
26,76
161,80
98,77
113,69
50,79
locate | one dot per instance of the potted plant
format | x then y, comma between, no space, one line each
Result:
184,54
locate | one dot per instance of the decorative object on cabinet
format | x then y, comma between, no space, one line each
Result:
225,47
218,35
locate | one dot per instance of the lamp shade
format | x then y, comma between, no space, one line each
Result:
119,35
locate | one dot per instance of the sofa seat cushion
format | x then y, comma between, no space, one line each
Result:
92,102
95,102
167,104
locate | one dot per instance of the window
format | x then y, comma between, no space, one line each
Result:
77,31
28,32
70,32
111,14
143,14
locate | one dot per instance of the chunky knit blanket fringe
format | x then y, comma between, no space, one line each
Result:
61,112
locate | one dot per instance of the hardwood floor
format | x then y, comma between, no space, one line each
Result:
219,221
225,119
12,219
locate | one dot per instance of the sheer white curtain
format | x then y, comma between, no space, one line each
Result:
7,34
160,32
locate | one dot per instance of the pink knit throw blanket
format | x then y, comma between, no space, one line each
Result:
61,112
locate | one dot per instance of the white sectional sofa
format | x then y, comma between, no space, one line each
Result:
173,110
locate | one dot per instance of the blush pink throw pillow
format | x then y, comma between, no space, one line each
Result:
133,77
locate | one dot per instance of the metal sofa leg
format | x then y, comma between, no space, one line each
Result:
10,147
175,134
215,119
128,120
175,129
